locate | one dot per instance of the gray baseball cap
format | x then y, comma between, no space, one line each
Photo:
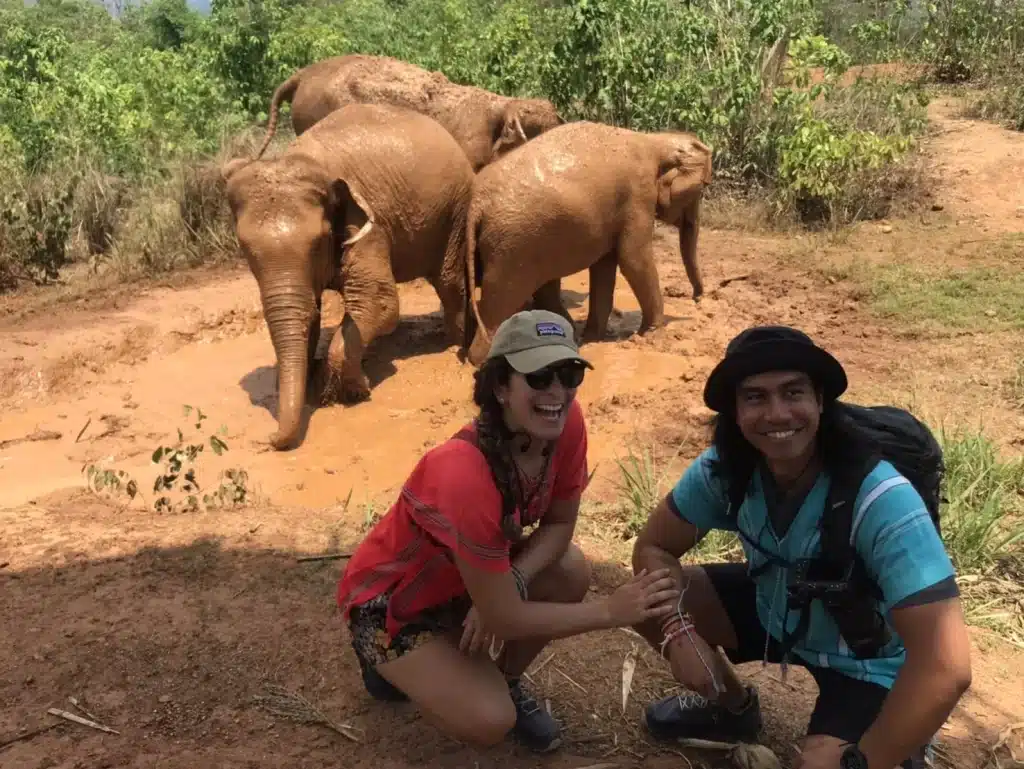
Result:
533,339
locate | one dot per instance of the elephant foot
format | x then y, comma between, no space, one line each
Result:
650,326
354,391
591,334
344,388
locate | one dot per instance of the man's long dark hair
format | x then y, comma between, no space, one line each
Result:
838,442
494,438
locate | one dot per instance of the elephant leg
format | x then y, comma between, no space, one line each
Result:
603,273
371,311
549,297
636,260
451,291
503,291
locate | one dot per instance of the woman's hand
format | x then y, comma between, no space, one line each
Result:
474,636
685,653
643,597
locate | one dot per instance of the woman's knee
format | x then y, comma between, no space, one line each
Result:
488,721
567,580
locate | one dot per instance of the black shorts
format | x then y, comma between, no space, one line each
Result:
845,707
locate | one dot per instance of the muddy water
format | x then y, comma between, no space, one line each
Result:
122,379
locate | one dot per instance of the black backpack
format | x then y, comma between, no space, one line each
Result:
838,577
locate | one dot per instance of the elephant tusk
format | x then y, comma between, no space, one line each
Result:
359,235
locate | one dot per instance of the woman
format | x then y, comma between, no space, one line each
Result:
446,600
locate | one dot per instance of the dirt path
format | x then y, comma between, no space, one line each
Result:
980,167
166,625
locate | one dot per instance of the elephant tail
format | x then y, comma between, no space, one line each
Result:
472,225
284,92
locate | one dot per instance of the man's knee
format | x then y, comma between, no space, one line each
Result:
490,722
567,580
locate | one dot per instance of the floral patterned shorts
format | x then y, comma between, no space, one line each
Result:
371,642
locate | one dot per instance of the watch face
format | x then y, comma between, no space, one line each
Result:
852,758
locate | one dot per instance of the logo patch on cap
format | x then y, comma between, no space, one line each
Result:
550,329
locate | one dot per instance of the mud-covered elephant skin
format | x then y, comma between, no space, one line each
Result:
582,196
486,125
371,196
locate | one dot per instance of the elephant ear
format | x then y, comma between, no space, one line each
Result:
339,194
682,177
228,169
512,133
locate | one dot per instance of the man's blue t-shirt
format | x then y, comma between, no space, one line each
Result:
892,531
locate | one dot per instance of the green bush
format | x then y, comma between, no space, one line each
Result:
133,99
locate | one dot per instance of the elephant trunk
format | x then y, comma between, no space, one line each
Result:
689,227
290,309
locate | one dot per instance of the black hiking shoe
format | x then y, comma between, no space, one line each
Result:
380,688
535,727
692,716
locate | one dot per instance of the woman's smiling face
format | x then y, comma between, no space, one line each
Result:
538,403
779,412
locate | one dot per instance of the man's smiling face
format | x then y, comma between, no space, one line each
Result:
778,412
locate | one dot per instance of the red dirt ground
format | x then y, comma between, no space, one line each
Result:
165,626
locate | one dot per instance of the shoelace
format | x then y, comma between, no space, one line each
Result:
692,700
525,702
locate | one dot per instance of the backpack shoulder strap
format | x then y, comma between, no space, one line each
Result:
837,519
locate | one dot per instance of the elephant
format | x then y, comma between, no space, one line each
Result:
371,196
583,195
486,125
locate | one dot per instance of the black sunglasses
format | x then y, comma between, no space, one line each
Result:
570,374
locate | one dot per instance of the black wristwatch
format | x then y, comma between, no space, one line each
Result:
853,758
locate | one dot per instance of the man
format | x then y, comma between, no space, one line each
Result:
779,436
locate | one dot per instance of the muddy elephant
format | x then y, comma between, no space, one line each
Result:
371,196
486,125
580,196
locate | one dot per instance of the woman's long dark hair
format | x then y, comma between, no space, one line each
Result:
838,442
494,438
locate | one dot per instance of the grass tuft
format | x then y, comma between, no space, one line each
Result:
983,519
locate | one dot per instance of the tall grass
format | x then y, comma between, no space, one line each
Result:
983,519
642,483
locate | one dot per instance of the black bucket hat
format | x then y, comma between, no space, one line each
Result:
771,348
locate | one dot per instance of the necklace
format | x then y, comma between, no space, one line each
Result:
523,499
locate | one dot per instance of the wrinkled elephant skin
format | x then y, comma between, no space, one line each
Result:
371,196
486,125
580,196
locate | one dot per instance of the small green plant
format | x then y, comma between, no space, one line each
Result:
177,474
110,483
983,520
1014,386
638,487
371,515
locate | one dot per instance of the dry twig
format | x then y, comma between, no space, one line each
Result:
566,677
74,701
293,706
29,734
79,720
38,435
324,557
628,669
